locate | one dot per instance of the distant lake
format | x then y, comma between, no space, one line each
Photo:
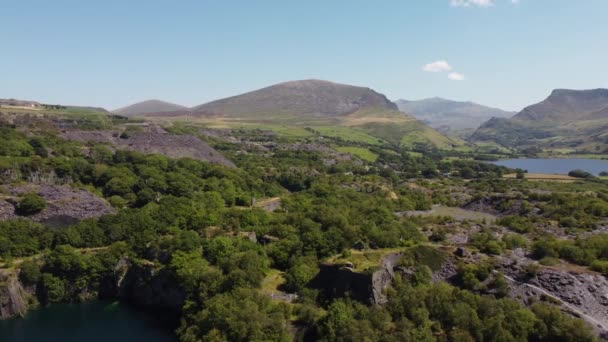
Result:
555,166
91,322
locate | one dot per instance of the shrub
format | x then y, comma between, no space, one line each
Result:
600,266
516,223
548,261
29,273
580,174
30,204
513,241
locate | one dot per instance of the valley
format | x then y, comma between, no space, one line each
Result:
218,215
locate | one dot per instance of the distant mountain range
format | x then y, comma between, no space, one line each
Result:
568,120
451,116
149,107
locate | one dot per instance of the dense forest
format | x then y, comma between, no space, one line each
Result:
204,230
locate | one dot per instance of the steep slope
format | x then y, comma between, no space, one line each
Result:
568,119
302,98
451,116
149,107
316,104
565,105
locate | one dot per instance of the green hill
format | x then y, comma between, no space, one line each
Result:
339,110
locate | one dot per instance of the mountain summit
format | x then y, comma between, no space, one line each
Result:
149,107
304,97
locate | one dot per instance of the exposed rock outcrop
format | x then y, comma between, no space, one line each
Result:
146,285
370,286
65,205
581,293
155,141
13,300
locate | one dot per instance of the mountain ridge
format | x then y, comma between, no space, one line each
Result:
310,96
566,119
152,106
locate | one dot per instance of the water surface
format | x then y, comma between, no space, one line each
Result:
90,322
556,166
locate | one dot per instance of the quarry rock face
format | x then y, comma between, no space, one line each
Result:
65,205
13,300
580,292
155,141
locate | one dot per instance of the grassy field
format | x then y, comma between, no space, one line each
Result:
360,152
347,134
363,260
370,126
426,254
543,177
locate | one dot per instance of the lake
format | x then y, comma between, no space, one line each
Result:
99,321
555,166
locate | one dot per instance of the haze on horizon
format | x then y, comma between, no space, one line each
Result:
501,53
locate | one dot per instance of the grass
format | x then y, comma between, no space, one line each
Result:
372,126
365,259
360,152
415,154
544,177
427,255
347,134
273,280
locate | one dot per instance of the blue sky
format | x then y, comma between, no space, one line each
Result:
111,53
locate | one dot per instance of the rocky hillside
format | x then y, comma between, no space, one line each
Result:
306,97
567,119
451,116
565,105
153,140
149,107
65,205
316,104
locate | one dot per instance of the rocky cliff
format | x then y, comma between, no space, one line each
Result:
13,297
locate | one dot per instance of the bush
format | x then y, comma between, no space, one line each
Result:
580,174
548,261
52,289
29,273
600,266
516,223
513,241
30,204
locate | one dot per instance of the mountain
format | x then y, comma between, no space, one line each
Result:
565,105
149,107
574,120
329,108
451,116
304,98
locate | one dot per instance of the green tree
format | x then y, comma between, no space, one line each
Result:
52,289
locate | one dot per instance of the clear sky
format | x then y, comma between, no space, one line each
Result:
111,53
